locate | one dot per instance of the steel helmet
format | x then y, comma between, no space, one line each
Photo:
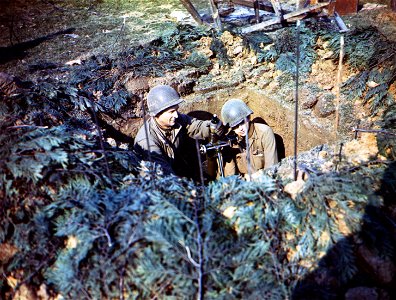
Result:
160,98
234,111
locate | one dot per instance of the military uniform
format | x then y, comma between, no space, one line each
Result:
174,149
262,149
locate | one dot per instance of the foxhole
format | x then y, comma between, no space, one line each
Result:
280,117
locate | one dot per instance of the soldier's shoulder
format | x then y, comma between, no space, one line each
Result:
141,133
262,127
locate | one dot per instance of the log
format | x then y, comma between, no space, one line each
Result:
276,20
193,12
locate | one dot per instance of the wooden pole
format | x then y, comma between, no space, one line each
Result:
300,4
277,9
193,12
296,98
215,14
339,76
257,11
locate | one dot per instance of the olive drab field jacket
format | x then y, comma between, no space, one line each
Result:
174,150
262,149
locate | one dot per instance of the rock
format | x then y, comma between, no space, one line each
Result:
325,106
137,85
227,38
289,98
362,150
71,242
186,87
261,72
204,48
234,44
263,83
294,188
308,99
237,50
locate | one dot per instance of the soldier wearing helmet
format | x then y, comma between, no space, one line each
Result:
167,137
261,140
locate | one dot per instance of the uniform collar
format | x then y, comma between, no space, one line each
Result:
166,134
252,130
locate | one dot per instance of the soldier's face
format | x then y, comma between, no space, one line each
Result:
242,128
168,117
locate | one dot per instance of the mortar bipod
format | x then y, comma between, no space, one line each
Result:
216,148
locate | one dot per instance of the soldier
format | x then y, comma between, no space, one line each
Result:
168,137
261,140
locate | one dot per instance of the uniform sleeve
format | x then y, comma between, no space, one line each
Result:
197,129
269,147
149,149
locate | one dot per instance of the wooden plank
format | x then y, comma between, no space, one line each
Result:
340,23
277,7
193,12
278,10
251,4
276,20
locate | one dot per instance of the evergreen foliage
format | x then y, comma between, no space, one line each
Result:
387,142
144,239
281,48
220,51
39,155
374,57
